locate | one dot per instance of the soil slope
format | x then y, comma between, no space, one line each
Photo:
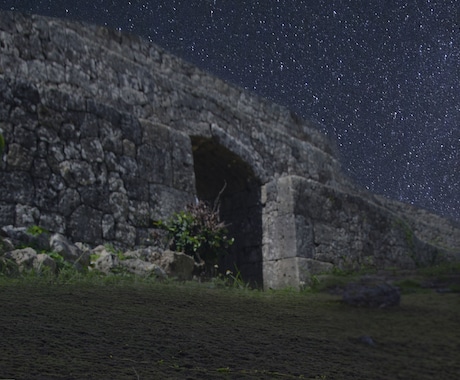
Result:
138,331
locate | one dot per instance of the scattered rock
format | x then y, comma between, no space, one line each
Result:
366,339
27,259
6,244
150,254
160,273
100,250
177,264
19,236
371,294
142,262
107,262
24,258
44,261
69,251
145,261
142,268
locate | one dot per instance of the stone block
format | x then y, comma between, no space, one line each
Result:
292,272
69,200
164,201
279,274
53,222
119,206
137,189
77,173
85,225
18,157
7,214
279,237
128,167
25,216
125,234
91,150
131,128
155,164
108,227
16,187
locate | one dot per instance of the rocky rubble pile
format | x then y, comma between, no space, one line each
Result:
28,250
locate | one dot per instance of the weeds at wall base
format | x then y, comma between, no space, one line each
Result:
445,275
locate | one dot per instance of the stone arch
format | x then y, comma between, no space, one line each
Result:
240,207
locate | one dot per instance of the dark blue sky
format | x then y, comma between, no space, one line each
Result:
381,77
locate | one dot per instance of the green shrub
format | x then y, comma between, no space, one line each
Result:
61,263
36,230
110,248
198,232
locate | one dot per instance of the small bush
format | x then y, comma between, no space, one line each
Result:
198,232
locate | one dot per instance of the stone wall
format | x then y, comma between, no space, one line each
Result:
105,132
311,228
87,170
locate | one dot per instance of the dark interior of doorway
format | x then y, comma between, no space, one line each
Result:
217,168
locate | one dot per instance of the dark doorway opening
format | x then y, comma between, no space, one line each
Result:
217,168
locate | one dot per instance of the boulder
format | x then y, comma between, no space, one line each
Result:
150,254
377,294
24,258
99,250
107,261
367,340
142,268
6,244
166,263
176,264
44,261
69,251
20,236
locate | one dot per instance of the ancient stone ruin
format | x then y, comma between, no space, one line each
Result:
106,132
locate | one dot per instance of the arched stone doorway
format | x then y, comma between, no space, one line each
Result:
215,167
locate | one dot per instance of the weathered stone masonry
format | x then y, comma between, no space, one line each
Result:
106,132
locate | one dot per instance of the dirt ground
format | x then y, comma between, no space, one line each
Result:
138,331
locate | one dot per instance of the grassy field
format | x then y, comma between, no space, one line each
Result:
132,329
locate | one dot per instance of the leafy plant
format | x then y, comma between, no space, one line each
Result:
61,263
110,248
198,232
236,280
36,230
230,280
94,257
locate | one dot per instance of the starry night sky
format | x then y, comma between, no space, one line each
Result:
380,77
